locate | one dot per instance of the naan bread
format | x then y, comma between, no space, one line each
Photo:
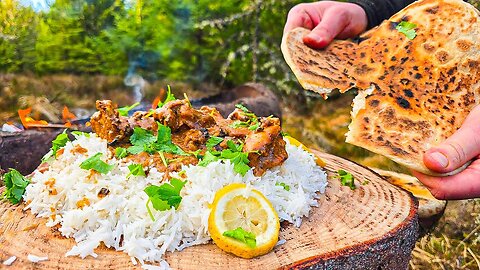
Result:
413,94
428,205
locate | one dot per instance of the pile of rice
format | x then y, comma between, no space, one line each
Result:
120,220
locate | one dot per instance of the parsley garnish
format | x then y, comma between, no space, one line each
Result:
234,153
213,141
346,179
136,170
170,97
59,142
238,123
166,196
243,236
144,141
15,185
407,28
208,158
95,163
78,133
252,123
121,152
285,186
123,111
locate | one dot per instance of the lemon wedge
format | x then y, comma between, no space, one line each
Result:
243,221
320,162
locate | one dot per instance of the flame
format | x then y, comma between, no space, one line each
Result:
28,121
67,116
157,100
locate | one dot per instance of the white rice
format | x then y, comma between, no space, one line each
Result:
120,220
9,261
35,259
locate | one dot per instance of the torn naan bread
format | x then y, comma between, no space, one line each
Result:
413,93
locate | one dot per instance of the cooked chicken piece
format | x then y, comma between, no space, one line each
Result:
108,124
191,129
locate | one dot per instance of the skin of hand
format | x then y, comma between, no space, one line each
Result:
458,149
327,20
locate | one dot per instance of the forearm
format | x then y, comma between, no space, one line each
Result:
379,10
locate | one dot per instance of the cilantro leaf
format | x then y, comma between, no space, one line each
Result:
166,196
254,126
95,163
59,142
164,141
407,28
285,186
136,170
243,236
346,179
15,185
234,147
78,133
170,97
213,141
121,152
234,153
142,136
123,111
243,108
207,159
238,159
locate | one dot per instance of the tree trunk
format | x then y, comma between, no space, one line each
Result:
374,226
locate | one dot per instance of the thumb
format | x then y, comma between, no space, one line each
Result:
459,148
333,22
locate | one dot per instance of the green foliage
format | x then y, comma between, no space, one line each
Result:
222,42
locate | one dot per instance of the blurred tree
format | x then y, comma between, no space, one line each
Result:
222,42
17,36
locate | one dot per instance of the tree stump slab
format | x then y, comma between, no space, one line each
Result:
374,226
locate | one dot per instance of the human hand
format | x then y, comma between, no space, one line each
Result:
328,19
457,150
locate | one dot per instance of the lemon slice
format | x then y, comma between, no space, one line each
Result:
320,162
240,210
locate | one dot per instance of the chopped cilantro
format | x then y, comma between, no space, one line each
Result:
78,133
121,152
243,108
136,170
285,186
408,29
123,111
238,123
59,142
142,136
213,141
170,97
346,179
243,236
255,126
234,153
252,123
15,185
144,141
166,196
207,159
95,163
234,147
164,141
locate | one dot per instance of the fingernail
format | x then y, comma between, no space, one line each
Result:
440,158
315,37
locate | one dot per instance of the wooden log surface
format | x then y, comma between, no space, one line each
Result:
24,150
374,226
